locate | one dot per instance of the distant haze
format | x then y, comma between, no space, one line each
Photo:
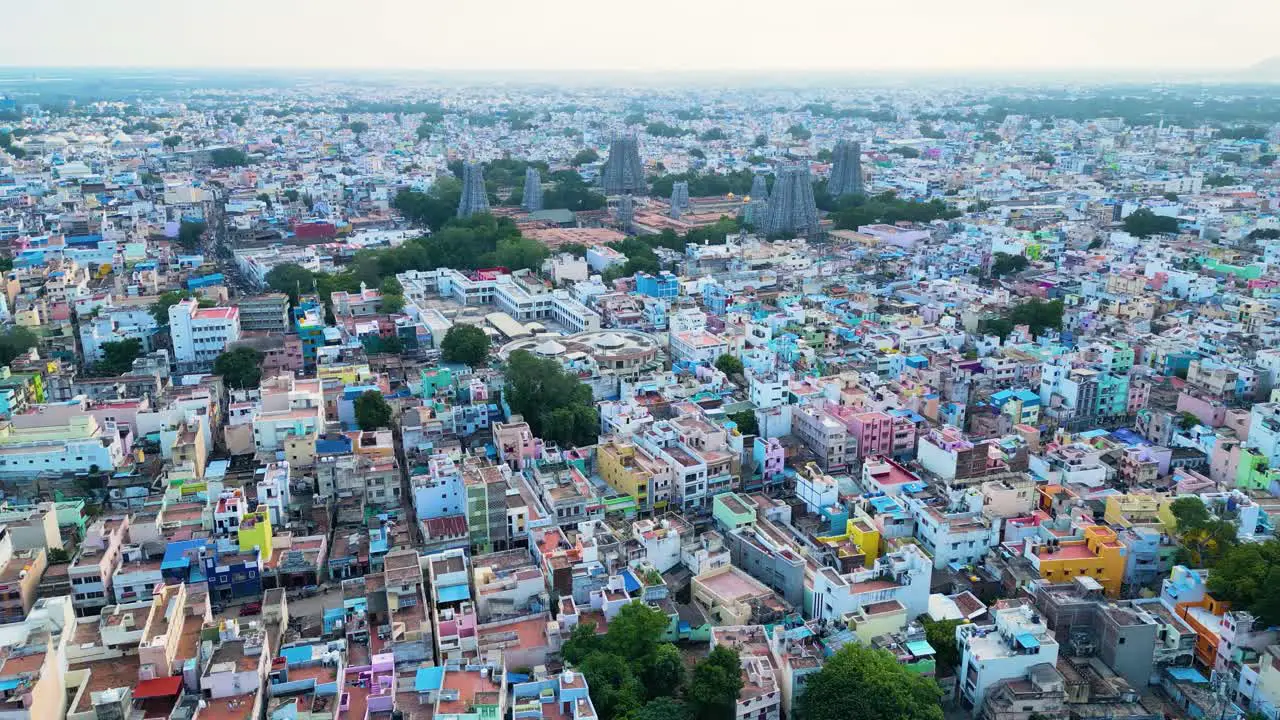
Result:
909,35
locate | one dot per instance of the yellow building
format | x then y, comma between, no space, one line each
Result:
1128,509
629,471
255,531
861,537
1098,555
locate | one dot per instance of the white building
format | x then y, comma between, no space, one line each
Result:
572,315
1003,651
697,347
902,576
115,323
200,335
273,491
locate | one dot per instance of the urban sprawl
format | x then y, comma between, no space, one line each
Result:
330,401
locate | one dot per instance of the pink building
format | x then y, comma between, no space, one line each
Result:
1210,412
770,459
516,444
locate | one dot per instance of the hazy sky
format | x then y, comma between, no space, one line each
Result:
646,35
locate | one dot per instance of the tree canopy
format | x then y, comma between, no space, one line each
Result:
228,157
240,368
850,212
1247,576
466,344
372,411
1144,223
118,356
584,157
189,234
166,300
715,684
1205,539
557,405
14,342
729,365
1003,264
865,683
291,279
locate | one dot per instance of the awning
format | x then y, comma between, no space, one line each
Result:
160,687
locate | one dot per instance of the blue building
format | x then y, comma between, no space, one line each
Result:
232,576
663,285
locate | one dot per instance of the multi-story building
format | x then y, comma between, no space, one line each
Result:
264,313
200,335
92,570
1006,649
58,439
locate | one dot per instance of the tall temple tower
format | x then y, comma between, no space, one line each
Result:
532,199
475,199
679,198
846,169
757,208
791,206
623,172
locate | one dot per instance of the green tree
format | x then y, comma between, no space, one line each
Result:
861,682
189,234
715,684
799,132
583,641
1170,196
291,195
1144,223
1205,539
661,129
166,300
634,631
392,345
1003,264
59,556
729,365
663,708
392,303
240,368
1247,577
760,141
539,387
228,157
372,411
584,157
359,127
291,279
172,141
905,151
941,636
615,690
663,672
746,422
712,134
1220,180
1038,315
465,344
118,356
15,341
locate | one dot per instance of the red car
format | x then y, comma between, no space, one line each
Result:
253,608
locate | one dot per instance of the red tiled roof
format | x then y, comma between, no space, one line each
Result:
160,687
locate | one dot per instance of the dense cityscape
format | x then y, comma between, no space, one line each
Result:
417,398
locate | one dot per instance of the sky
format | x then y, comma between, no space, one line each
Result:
649,35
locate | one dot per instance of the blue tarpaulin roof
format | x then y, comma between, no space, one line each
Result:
454,593
298,654
920,648
1028,641
428,679
1186,674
